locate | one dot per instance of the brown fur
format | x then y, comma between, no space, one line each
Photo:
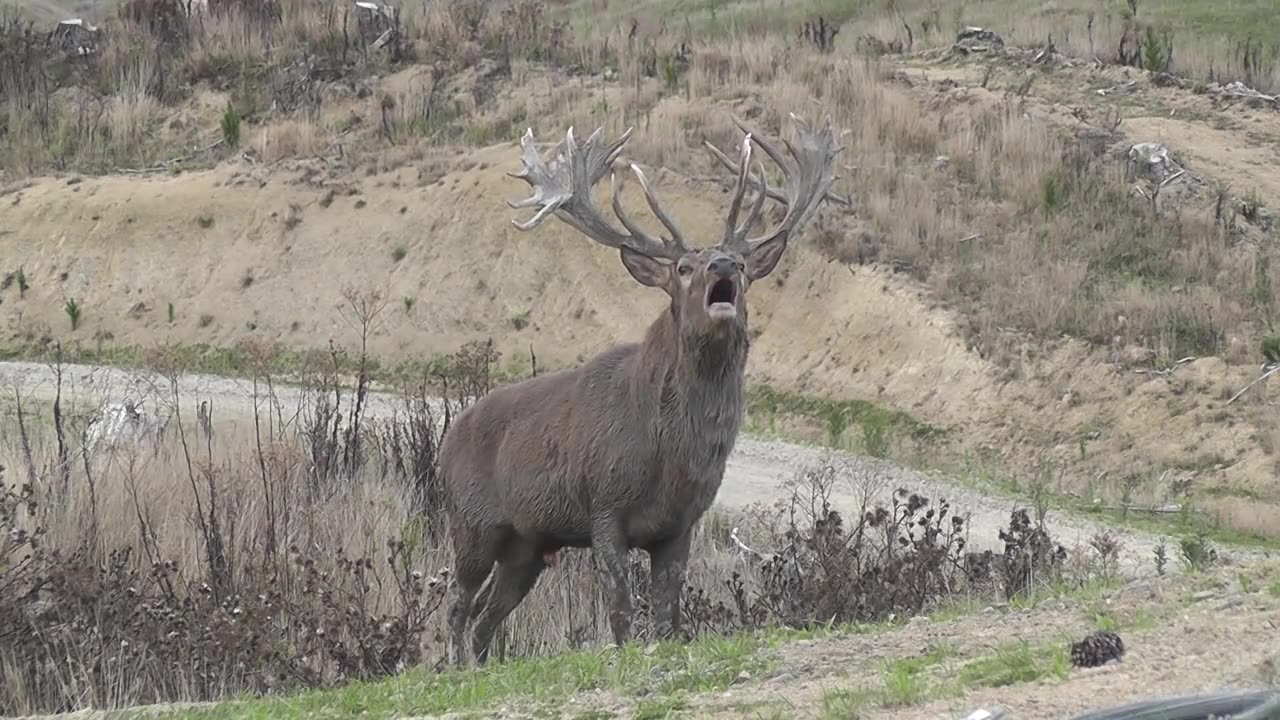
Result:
629,450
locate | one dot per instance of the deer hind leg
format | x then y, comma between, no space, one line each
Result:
474,554
511,582
609,545
549,560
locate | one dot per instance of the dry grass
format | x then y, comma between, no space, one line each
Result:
220,506
1012,198
287,139
1211,41
299,548
1009,199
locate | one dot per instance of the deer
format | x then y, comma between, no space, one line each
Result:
627,450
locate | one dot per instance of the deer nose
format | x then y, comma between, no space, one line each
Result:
722,266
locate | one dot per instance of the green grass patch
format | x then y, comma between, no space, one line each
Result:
1182,526
664,674
940,674
1137,619
771,709
903,683
709,19
706,19
879,427
906,682
847,704
1085,592
1015,664
660,708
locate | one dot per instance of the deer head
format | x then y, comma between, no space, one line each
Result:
707,286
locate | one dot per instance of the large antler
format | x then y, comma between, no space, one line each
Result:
563,186
807,181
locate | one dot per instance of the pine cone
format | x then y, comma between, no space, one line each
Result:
1097,649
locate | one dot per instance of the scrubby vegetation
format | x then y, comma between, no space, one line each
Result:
304,549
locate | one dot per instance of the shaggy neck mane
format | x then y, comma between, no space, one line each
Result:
704,374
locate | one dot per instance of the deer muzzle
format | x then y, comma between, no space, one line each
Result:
722,298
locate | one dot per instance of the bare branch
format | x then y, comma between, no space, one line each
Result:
1268,372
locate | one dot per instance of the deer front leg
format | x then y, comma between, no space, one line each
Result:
610,546
667,563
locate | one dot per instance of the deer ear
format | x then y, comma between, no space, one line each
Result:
765,256
646,270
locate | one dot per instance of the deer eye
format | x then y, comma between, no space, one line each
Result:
684,270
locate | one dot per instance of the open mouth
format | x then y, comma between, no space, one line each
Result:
721,297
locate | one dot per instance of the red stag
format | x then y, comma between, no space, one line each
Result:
628,450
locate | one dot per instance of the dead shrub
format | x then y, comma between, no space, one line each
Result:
1031,559
894,560
274,577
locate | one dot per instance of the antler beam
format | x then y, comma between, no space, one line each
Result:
563,185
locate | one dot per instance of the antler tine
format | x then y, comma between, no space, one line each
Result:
733,168
808,176
740,189
760,139
612,151
615,186
677,237
777,195
757,205
562,186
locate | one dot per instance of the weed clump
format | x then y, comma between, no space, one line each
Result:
231,127
892,560
1030,555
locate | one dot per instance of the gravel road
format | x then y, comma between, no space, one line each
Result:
757,468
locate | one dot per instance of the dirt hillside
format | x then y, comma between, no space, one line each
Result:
265,249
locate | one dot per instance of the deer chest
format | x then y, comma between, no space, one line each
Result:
684,491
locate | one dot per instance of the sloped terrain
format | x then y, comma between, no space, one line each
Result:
265,249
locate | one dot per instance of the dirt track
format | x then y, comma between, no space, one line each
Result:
757,472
